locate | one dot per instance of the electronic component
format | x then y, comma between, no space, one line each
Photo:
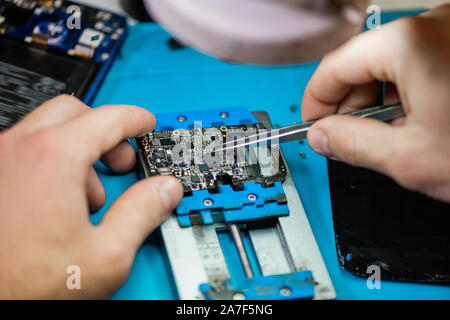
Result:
165,154
91,38
51,48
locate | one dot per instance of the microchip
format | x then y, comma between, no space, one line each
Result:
166,142
195,179
91,38
189,156
160,154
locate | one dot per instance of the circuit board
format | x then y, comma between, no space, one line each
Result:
164,153
65,26
53,47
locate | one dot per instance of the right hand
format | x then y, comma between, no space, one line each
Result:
413,56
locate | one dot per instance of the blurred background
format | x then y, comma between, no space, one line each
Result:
384,4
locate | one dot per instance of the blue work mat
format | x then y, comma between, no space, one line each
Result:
150,75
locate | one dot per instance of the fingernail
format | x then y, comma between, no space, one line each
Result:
318,140
169,191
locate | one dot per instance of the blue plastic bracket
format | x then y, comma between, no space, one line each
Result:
297,285
209,118
252,203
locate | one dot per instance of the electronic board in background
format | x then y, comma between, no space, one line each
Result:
50,48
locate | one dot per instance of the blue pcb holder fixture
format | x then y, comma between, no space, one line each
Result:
254,243
251,204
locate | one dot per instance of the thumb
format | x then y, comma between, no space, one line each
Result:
357,141
140,210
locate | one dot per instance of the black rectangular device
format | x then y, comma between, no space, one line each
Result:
377,222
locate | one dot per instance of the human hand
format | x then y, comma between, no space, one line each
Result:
413,56
48,187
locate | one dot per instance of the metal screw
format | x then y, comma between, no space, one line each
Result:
285,292
239,296
208,202
293,108
252,197
182,118
302,155
224,115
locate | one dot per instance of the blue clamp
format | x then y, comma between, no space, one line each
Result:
253,203
210,118
297,285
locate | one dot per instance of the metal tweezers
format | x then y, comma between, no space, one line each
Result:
300,131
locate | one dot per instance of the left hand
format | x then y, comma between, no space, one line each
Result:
48,186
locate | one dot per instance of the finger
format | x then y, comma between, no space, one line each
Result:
360,142
442,11
366,58
121,159
103,129
360,97
140,210
53,112
95,191
391,95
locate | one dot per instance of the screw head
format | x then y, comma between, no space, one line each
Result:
252,197
239,296
182,118
224,115
208,202
285,292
